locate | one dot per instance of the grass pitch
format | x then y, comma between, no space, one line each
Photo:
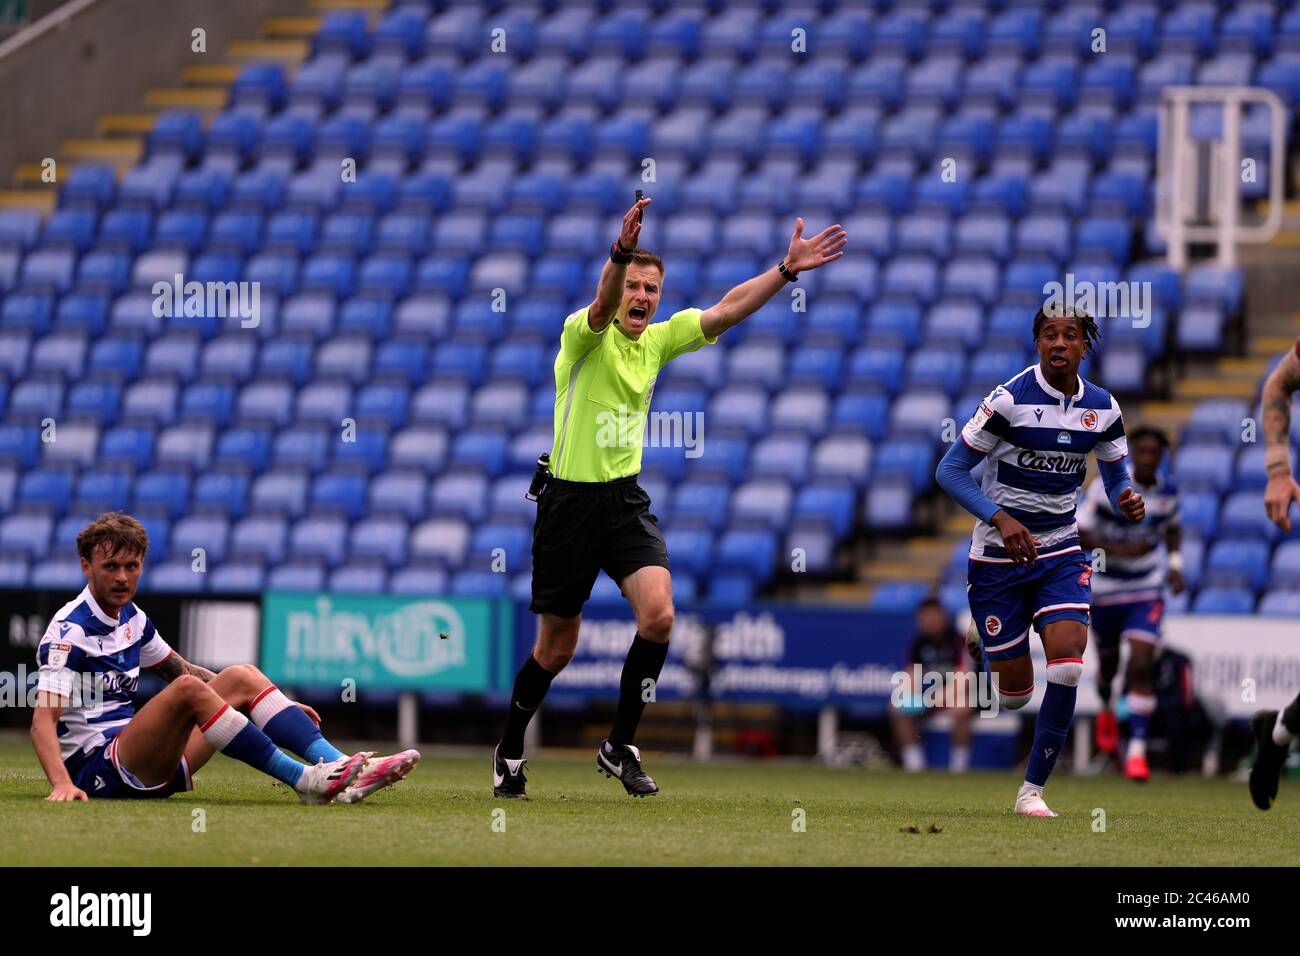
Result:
720,814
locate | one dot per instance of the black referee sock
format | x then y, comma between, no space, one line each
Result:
645,659
531,684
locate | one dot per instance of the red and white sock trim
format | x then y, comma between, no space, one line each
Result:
267,704
1065,670
223,726
1015,699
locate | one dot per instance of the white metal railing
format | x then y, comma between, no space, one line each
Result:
1178,172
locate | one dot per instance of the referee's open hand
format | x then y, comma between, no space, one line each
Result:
632,225
826,246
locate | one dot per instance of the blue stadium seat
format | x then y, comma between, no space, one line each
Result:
445,540
27,533
238,578
47,491
1223,601
421,447
762,500
1240,562
748,550
318,539
298,576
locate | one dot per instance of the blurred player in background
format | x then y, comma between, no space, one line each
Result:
592,515
1274,730
90,740
1127,602
1026,566
937,649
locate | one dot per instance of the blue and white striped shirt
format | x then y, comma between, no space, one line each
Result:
95,662
1131,578
1036,441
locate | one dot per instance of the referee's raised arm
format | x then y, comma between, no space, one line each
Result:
609,291
750,296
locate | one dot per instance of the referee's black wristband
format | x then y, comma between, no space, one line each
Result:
789,276
617,255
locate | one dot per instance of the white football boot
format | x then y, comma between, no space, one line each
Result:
380,772
323,782
1029,801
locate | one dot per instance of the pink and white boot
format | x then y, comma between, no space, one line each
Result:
380,772
1029,802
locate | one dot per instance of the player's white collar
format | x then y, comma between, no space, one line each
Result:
95,608
1059,396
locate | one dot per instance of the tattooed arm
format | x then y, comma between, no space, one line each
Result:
1282,489
173,666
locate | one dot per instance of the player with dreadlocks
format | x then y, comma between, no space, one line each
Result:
1026,566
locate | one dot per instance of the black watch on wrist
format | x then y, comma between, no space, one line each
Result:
789,276
616,253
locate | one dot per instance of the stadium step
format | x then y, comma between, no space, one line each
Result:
280,51
1215,387
125,124
923,549
843,592
29,199
210,74
1253,367
326,5
1270,345
301,27
123,152
186,98
1169,416
896,570
959,522
30,174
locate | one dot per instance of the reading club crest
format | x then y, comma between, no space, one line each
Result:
993,625
1089,420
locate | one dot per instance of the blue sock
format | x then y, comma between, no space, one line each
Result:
289,726
322,749
236,736
1054,719
1140,709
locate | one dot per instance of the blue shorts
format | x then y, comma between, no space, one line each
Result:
102,777
1005,599
1136,620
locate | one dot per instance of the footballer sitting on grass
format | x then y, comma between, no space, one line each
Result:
591,514
92,743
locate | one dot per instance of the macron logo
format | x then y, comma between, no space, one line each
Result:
103,909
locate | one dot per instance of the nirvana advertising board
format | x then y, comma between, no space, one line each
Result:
794,655
442,644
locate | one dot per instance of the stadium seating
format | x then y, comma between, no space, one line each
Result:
377,429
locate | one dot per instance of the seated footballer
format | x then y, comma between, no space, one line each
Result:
91,741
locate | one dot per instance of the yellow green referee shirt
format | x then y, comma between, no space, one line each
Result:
603,384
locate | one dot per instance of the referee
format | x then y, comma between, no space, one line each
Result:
592,515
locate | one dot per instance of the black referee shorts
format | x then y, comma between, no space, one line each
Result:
583,528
